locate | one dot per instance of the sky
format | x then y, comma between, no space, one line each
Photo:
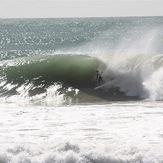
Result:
79,8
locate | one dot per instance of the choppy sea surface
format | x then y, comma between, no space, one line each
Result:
53,109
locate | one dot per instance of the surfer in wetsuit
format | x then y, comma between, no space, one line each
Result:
98,77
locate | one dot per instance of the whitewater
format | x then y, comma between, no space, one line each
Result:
54,110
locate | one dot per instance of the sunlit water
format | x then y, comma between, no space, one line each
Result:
49,120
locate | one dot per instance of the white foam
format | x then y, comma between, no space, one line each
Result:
115,133
154,85
51,96
135,74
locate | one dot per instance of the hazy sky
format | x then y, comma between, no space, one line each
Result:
79,8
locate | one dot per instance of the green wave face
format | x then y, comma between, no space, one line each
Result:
73,70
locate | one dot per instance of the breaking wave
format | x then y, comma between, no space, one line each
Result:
135,74
67,78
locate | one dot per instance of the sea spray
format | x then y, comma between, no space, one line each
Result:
127,46
131,73
44,119
154,85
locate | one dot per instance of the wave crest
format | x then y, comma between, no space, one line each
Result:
135,74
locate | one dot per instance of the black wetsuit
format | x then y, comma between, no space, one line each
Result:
98,77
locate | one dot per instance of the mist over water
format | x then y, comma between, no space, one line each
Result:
131,48
52,108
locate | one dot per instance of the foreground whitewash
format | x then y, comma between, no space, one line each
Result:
114,132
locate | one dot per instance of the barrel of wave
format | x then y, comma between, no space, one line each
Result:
74,70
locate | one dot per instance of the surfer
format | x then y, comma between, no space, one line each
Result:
98,77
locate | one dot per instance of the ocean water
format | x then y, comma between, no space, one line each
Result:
54,110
